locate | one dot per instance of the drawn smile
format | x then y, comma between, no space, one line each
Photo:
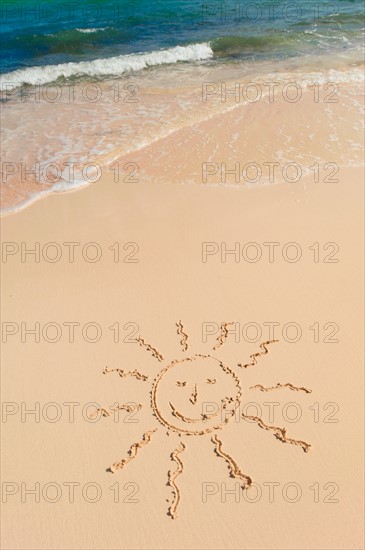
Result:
184,418
204,416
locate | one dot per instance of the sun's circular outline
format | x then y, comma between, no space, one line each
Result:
207,430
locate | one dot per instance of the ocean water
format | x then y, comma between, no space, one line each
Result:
110,37
90,82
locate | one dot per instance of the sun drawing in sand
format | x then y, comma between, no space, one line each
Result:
198,408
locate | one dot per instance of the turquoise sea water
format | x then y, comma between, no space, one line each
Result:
107,32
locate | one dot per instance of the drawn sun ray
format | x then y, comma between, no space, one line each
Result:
279,433
196,396
128,407
258,354
233,467
132,452
150,348
171,477
280,386
123,374
223,336
184,340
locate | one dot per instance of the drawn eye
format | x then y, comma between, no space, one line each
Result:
211,380
181,384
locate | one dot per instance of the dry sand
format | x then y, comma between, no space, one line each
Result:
298,499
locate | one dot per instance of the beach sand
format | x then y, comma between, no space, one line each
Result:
172,267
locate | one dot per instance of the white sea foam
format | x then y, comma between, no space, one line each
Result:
113,66
87,31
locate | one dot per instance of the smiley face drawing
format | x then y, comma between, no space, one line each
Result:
208,396
197,395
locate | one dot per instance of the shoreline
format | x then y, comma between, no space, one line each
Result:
333,102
